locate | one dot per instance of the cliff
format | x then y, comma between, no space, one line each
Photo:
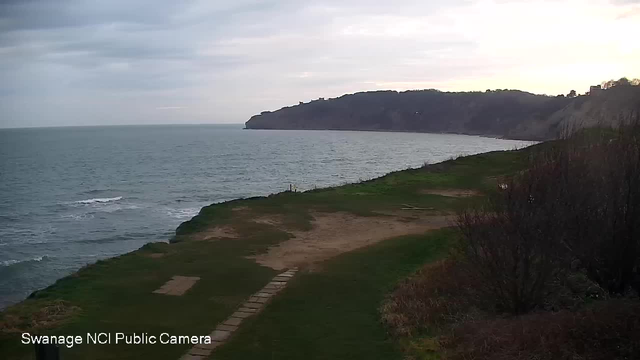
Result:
502,113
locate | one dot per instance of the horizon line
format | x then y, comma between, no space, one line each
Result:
113,125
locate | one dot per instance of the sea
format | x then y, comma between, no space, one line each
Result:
70,196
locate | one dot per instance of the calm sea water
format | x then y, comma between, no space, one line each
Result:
72,196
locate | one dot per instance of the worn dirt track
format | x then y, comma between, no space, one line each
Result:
336,233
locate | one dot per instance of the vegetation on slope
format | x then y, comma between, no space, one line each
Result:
547,268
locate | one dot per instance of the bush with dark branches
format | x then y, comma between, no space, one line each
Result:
512,244
577,203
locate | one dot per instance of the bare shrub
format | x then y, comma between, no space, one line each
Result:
511,245
612,251
438,295
607,330
579,199
599,204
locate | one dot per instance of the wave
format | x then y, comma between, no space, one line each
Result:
14,262
98,200
183,213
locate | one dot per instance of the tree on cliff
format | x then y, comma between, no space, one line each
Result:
621,82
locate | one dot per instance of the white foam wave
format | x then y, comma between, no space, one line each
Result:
183,213
13,262
99,200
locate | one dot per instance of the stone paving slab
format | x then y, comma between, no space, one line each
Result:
241,314
233,321
224,330
213,345
244,309
252,305
177,286
268,291
219,335
227,327
192,357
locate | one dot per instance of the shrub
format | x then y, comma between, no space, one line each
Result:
610,251
511,244
578,200
607,330
438,295
599,205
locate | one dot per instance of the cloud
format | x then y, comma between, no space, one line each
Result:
63,62
626,1
633,12
169,108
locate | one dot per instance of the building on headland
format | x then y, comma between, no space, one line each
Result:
595,90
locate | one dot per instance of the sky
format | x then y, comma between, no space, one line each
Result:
112,62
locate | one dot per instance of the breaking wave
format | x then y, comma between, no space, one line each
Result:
13,262
99,200
183,213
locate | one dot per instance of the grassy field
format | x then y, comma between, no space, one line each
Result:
333,313
330,313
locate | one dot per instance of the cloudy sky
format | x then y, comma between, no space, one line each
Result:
89,62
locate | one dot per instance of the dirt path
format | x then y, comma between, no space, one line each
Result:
177,286
336,233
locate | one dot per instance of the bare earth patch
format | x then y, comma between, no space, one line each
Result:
336,233
450,192
49,315
177,286
217,232
156,255
269,220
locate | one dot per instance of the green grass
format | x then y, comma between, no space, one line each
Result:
116,294
333,313
384,193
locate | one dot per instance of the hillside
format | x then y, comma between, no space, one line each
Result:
502,113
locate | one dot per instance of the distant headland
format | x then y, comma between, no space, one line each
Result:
504,113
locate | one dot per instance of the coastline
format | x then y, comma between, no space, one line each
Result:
483,135
151,208
246,238
186,224
221,164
